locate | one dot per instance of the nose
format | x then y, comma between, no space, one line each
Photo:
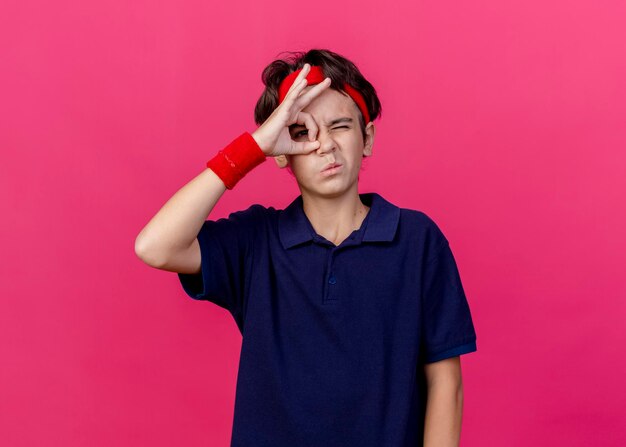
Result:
327,143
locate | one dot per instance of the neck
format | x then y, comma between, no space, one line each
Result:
335,218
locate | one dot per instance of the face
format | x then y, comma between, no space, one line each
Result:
341,141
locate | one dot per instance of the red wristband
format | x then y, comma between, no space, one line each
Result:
238,158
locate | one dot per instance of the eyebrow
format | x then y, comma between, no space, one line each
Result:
343,119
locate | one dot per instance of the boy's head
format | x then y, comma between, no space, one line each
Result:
344,143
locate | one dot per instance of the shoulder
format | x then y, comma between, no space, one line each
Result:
243,223
250,215
421,224
424,230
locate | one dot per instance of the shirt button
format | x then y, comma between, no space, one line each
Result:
332,280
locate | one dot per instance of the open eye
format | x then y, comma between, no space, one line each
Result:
306,131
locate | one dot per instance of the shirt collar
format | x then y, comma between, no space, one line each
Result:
294,227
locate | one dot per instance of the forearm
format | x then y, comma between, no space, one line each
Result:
444,410
177,223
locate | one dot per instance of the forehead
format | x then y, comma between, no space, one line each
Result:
329,104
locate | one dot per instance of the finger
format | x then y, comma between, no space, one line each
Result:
302,75
305,98
309,122
297,89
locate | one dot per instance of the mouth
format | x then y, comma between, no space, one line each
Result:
331,166
330,170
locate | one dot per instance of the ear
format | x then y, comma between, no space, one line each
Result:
370,132
281,161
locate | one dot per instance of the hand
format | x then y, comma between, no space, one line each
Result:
273,135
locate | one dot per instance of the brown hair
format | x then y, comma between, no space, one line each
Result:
339,69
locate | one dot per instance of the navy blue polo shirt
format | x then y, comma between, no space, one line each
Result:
334,337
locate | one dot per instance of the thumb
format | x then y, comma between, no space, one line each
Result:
304,147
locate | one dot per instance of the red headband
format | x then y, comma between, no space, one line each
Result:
315,76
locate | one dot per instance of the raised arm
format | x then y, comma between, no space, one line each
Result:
169,240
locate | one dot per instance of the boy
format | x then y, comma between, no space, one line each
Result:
352,310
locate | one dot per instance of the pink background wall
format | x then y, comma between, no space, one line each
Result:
502,120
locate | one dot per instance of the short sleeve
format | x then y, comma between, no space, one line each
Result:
226,250
447,327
